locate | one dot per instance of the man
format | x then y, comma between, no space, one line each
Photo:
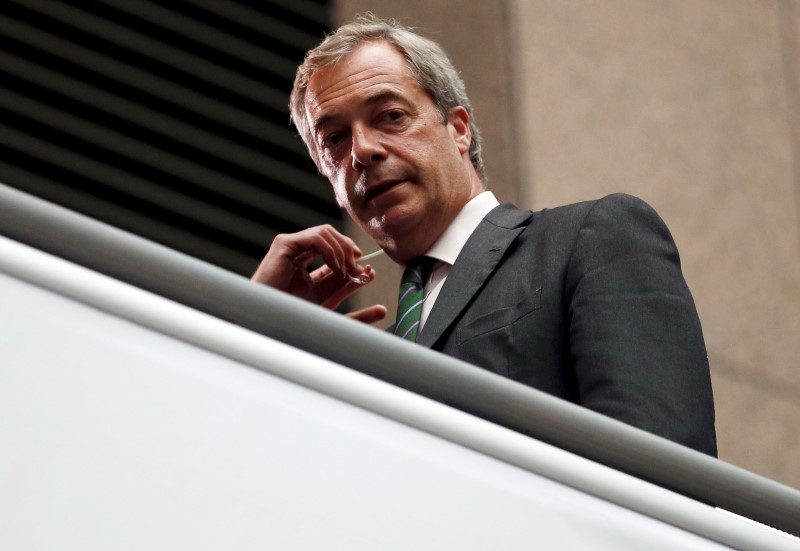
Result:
586,302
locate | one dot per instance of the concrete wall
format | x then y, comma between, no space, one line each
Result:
693,105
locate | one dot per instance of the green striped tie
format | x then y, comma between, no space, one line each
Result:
409,307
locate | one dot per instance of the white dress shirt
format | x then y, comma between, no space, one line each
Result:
447,248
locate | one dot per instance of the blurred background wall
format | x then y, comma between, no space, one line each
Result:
169,119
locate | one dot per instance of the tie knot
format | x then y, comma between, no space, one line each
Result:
418,270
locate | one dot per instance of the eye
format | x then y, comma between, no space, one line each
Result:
393,115
331,140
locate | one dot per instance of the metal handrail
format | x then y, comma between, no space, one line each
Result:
280,316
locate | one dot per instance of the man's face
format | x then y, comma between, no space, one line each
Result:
399,171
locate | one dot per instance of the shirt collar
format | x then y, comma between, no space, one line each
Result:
450,243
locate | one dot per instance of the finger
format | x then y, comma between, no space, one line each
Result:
337,250
336,292
333,253
370,314
321,273
353,252
345,249
301,247
327,276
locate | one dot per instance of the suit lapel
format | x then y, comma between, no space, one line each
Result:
477,261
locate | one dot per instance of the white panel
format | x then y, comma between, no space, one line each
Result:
114,436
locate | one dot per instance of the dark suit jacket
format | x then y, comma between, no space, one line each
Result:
586,302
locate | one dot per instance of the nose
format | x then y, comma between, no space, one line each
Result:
367,147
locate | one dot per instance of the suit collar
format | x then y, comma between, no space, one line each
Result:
477,261
448,245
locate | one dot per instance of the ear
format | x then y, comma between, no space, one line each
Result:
458,124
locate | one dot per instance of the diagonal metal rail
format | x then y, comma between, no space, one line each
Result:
233,298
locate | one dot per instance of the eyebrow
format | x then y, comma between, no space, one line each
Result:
369,101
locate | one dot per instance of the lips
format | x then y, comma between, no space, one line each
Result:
375,190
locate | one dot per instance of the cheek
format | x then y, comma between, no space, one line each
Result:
339,190
341,196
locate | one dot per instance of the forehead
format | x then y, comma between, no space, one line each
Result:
371,69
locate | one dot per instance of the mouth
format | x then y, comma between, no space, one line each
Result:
380,188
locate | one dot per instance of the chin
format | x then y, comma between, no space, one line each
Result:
398,230
397,220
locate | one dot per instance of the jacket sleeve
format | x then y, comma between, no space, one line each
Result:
635,337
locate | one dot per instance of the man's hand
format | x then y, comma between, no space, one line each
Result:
285,267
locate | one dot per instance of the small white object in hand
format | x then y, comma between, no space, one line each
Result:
361,280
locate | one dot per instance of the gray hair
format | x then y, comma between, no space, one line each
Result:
428,63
